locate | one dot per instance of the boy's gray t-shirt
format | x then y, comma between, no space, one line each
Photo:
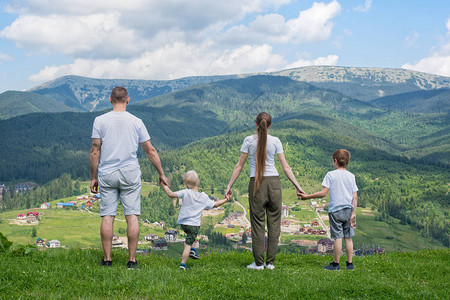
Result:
193,205
341,184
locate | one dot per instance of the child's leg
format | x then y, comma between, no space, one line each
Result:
186,251
337,250
349,249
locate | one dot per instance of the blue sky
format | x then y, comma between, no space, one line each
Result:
41,40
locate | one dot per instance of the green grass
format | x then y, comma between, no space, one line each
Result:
75,274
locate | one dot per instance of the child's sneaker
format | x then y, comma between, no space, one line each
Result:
269,266
183,267
255,267
332,267
194,254
350,266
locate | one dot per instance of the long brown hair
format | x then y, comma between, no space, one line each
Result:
263,121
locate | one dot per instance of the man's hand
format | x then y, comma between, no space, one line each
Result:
302,195
94,186
163,180
353,220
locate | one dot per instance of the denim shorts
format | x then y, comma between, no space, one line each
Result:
124,184
340,224
191,233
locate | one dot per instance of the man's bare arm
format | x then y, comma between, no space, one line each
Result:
94,160
153,156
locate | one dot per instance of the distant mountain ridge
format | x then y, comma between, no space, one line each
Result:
92,94
82,94
366,83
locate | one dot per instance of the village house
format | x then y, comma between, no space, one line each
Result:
40,242
45,205
151,237
83,198
315,223
171,235
89,204
284,211
32,217
285,222
54,244
21,217
159,244
325,246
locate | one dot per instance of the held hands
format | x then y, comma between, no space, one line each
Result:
163,180
301,194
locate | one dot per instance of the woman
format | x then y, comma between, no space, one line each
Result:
264,189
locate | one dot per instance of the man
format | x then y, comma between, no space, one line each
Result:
116,136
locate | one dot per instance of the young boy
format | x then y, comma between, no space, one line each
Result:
342,207
190,214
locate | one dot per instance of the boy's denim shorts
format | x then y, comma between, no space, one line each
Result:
340,224
125,184
191,233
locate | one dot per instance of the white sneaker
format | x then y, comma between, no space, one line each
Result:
255,267
269,266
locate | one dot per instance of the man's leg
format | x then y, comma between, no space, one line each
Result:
349,249
337,249
106,233
133,236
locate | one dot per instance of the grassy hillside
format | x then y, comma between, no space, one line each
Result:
58,273
14,103
434,101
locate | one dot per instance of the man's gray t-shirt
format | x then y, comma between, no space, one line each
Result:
341,184
193,205
120,134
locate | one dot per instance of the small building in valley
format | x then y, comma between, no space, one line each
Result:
159,244
171,235
54,244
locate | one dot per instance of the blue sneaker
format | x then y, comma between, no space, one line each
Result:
183,267
193,254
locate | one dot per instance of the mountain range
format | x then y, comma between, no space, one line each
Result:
82,94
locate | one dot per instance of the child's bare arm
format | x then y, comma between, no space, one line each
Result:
223,201
354,203
168,191
320,194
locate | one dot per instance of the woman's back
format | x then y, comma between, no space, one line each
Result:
273,147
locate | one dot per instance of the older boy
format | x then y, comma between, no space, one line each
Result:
190,214
342,207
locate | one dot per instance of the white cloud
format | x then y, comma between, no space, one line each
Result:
313,24
175,61
330,60
438,62
153,39
411,39
364,8
5,57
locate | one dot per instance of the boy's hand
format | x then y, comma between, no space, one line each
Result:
353,220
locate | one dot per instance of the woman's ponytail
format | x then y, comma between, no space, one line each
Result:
263,121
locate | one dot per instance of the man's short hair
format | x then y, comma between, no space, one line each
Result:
119,94
190,179
342,156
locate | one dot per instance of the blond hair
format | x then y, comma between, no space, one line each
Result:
190,179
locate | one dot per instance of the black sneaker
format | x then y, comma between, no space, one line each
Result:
332,267
350,266
131,265
183,267
105,263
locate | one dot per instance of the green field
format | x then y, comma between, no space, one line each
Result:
75,274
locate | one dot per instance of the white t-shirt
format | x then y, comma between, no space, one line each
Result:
193,205
120,133
341,184
273,147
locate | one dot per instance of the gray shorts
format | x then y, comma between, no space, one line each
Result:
124,184
340,224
